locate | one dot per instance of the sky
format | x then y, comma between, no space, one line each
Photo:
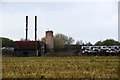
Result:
86,21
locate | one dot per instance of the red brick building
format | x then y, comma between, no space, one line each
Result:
29,48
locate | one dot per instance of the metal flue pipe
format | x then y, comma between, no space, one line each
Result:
26,28
35,28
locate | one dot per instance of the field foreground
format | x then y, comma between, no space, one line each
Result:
60,67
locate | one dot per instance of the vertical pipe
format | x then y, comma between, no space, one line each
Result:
26,28
35,28
36,35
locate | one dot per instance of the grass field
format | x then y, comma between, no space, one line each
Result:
60,67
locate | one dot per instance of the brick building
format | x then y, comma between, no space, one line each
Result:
29,48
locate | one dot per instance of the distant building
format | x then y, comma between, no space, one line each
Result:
29,48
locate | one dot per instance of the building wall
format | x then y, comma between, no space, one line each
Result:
29,48
25,53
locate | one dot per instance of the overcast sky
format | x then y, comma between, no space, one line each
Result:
87,21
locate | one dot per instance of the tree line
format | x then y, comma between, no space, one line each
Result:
6,42
60,40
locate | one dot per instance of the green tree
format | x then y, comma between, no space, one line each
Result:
70,40
43,39
108,42
6,42
66,40
79,42
60,40
98,43
58,43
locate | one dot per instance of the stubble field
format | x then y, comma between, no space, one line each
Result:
60,67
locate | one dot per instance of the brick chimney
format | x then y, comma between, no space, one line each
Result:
49,40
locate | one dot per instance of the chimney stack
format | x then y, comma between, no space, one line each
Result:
26,28
49,40
35,28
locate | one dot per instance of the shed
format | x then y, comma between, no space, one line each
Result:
29,48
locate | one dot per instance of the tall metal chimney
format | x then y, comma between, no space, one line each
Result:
26,28
35,28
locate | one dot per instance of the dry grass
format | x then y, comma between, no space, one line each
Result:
60,67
